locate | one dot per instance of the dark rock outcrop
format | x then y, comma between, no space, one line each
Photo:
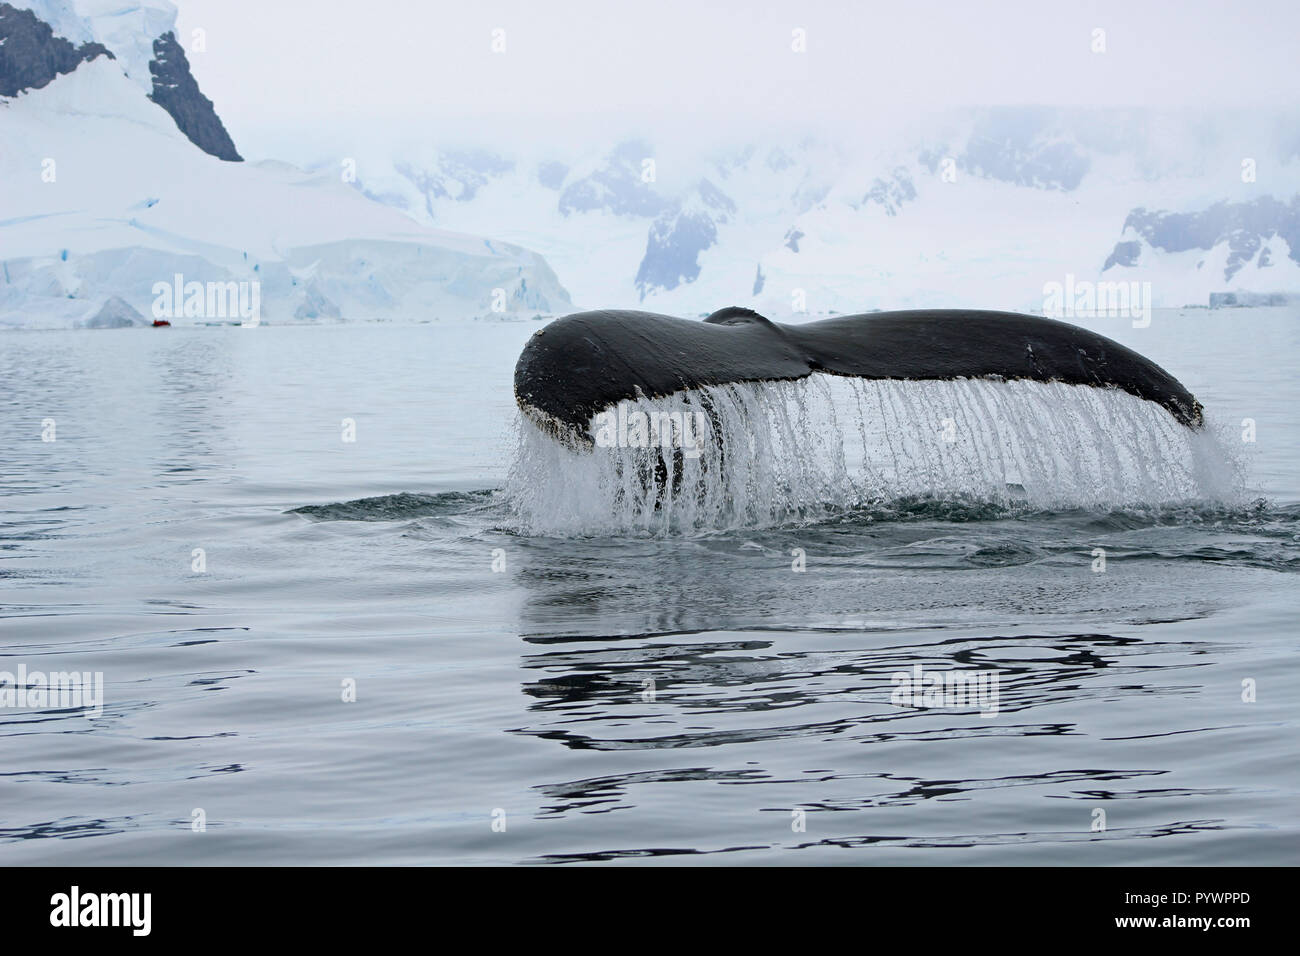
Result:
31,55
176,91
1124,254
679,236
890,194
617,186
1245,226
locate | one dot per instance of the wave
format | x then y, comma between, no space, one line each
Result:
399,507
930,534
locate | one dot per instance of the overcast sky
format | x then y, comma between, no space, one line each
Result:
296,72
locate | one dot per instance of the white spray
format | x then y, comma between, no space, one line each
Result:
775,453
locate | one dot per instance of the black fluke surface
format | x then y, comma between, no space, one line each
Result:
587,362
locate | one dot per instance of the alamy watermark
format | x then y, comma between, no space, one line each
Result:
53,690
631,428
208,300
1084,299
947,688
76,908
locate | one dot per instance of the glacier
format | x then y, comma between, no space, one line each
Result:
102,195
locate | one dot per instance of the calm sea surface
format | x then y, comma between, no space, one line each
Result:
199,532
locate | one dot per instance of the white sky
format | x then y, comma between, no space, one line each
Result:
288,74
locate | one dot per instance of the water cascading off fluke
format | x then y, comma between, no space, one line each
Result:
752,424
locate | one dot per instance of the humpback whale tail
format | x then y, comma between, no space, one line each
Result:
587,362
666,422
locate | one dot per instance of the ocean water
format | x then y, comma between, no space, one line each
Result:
397,650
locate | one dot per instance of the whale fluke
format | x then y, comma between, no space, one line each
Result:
585,363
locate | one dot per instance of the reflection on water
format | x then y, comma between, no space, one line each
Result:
799,715
618,698
593,690
728,699
946,842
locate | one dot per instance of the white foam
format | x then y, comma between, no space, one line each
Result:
776,453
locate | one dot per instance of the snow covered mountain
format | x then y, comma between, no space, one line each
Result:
978,208
118,176
1251,247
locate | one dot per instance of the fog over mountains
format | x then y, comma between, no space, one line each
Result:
119,173
978,207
